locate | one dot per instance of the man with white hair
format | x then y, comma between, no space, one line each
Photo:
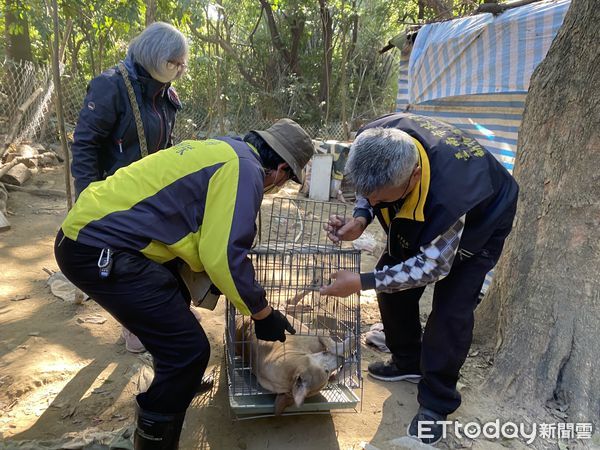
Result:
447,205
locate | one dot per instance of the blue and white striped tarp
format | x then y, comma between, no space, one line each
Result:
484,53
474,72
402,96
493,119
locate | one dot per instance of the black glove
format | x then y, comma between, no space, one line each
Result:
273,327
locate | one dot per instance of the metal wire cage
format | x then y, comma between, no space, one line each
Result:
292,258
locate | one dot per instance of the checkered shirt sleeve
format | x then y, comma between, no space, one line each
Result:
431,264
362,208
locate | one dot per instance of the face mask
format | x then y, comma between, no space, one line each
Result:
383,205
273,188
165,75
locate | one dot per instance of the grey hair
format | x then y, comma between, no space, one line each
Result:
157,44
381,157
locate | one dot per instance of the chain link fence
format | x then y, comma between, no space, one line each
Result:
27,111
25,94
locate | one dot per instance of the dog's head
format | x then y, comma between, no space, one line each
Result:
312,373
311,378
307,380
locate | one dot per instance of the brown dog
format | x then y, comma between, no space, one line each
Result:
295,369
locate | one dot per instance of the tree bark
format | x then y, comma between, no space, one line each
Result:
18,42
39,192
327,29
442,9
59,103
151,8
296,23
274,31
547,287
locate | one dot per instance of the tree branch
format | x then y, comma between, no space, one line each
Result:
228,48
274,31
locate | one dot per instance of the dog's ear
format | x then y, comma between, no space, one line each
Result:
282,401
299,390
335,348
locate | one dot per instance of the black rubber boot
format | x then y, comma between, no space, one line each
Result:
156,431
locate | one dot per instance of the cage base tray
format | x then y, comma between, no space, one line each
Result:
331,398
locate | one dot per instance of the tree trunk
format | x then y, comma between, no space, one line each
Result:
91,46
276,38
18,42
151,8
327,27
547,286
59,102
296,23
442,9
421,13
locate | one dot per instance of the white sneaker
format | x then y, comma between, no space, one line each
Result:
132,343
196,313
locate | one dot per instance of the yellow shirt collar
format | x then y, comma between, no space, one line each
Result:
413,205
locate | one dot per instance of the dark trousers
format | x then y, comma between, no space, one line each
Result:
149,300
441,350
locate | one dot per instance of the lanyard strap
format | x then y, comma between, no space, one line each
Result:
136,110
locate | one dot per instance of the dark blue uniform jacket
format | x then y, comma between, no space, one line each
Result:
464,179
106,136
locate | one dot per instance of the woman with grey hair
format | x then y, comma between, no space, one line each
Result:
108,134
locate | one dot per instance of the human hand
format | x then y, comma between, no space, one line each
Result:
346,283
344,229
272,327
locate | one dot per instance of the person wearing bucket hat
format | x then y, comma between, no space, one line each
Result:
291,143
195,203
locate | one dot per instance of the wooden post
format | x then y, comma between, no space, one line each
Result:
52,99
59,105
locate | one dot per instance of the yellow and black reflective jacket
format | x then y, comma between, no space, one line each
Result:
196,201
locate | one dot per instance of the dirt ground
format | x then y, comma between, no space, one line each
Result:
66,382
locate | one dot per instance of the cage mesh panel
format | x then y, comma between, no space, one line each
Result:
292,224
292,258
